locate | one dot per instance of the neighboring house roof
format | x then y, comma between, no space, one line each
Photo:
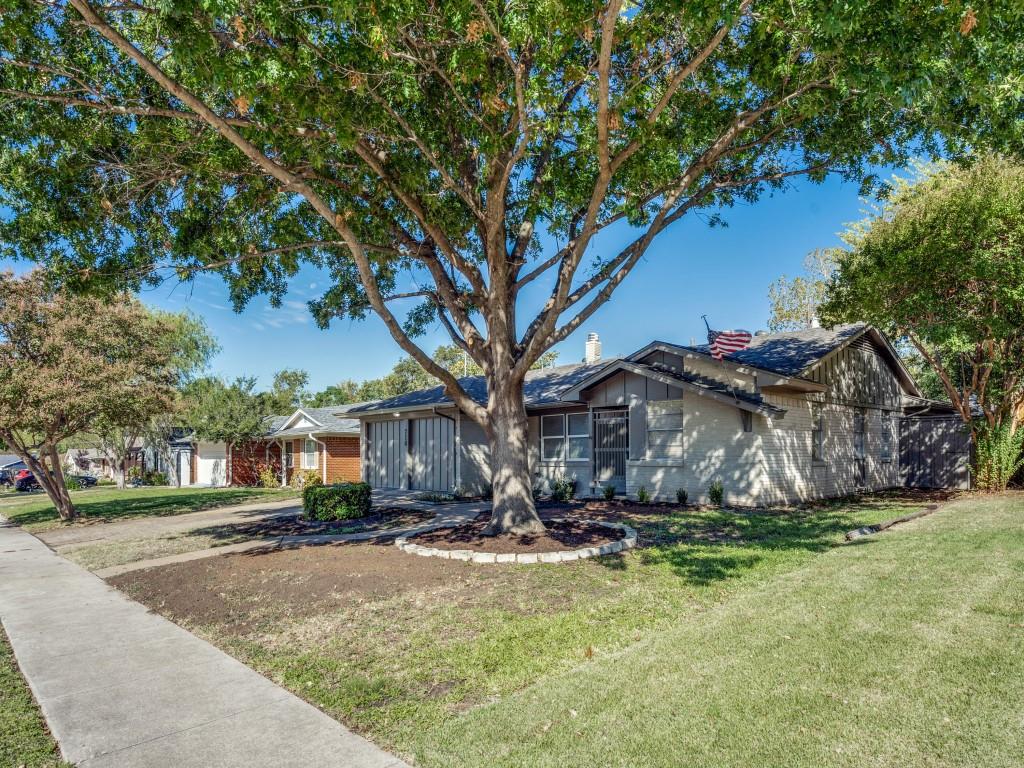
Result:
7,460
324,421
541,387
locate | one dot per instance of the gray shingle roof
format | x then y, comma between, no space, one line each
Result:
332,420
791,352
541,387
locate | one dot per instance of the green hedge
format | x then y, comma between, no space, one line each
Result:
343,501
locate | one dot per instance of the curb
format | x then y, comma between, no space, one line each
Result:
527,558
869,530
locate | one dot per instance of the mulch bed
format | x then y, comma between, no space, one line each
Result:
559,537
383,519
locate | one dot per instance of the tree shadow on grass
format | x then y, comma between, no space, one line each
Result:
131,503
707,546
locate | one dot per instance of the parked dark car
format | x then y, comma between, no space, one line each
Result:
86,481
7,477
26,481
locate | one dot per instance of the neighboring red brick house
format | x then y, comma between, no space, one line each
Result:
319,439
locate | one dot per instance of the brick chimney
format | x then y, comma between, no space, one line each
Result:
593,349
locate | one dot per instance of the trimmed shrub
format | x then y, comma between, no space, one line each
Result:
643,495
562,488
682,496
268,477
305,478
72,484
343,501
609,492
716,493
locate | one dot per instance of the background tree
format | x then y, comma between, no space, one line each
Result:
226,412
288,391
409,376
148,417
942,266
460,153
795,302
68,363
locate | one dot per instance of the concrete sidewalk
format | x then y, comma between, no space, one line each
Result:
120,686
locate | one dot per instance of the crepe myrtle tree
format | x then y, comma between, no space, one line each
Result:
71,363
444,162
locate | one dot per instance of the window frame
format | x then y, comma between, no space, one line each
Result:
885,451
570,436
560,438
306,454
817,434
289,454
565,438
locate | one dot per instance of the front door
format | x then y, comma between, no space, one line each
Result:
611,448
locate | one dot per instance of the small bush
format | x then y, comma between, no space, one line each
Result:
155,478
305,478
268,477
343,501
682,496
716,493
563,488
487,492
72,484
609,492
643,495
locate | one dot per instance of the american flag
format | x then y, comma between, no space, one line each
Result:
726,342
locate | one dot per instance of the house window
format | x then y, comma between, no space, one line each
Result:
565,437
309,454
817,434
747,419
552,437
886,451
665,429
289,454
578,429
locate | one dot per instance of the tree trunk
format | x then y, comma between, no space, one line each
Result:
52,481
513,510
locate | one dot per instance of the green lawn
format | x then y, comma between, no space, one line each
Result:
906,649
728,639
24,740
35,512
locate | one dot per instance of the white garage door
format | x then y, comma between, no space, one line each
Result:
211,464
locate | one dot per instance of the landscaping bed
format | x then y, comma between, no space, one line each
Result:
560,535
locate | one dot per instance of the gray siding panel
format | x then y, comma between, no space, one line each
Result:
385,454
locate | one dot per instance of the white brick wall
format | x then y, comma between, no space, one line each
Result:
772,463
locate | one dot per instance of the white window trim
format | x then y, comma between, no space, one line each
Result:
307,454
818,435
570,435
564,438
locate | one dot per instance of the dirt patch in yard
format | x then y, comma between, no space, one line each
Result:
241,592
383,519
559,537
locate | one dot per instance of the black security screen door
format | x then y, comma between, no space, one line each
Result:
611,447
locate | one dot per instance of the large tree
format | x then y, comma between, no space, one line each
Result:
941,265
461,154
69,363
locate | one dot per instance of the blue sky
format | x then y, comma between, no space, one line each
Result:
690,270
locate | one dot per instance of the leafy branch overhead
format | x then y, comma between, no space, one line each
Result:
455,153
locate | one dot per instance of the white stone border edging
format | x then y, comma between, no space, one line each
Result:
527,558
